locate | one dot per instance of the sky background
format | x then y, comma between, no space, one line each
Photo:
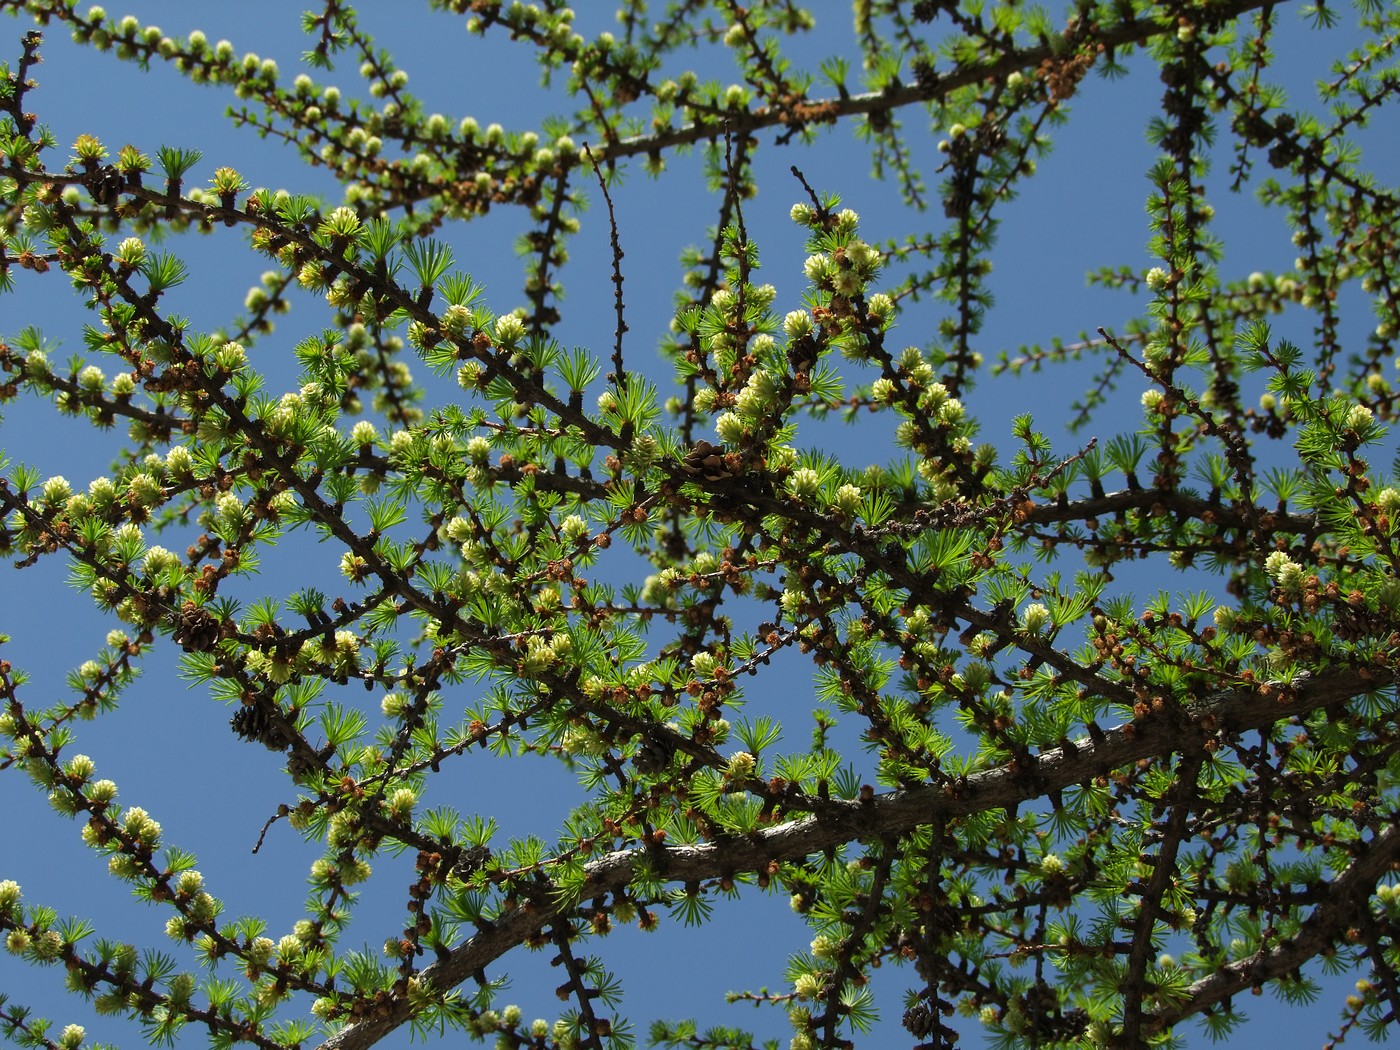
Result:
169,747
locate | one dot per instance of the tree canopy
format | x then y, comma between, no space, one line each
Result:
1089,732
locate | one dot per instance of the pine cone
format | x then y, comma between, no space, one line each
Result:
707,461
258,722
471,859
196,629
652,756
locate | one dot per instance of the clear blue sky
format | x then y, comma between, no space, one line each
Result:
169,747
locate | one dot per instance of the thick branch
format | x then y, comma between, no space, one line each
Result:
932,89
1347,895
1179,502
1229,712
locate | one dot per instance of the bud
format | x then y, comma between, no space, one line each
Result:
740,766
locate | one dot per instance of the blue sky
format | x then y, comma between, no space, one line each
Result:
169,748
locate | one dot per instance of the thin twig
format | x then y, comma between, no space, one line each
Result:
619,372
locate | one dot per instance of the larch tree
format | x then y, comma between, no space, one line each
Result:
1094,734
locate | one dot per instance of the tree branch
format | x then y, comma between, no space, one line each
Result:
842,821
